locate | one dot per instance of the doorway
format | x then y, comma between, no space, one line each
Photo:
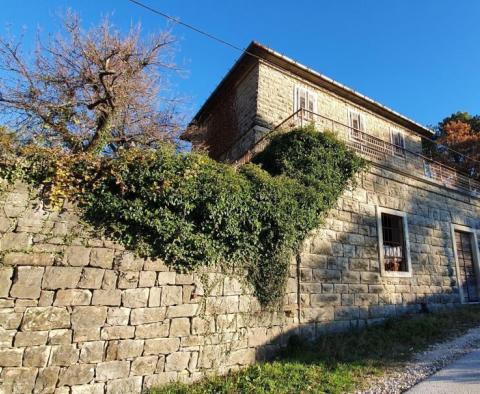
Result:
466,265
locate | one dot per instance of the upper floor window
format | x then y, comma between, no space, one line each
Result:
306,101
393,242
397,139
356,121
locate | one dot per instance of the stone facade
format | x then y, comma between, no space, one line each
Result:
341,283
79,314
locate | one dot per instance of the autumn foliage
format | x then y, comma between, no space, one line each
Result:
458,138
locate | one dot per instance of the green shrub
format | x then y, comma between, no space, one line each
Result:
192,211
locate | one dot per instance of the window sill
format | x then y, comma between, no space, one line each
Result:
397,274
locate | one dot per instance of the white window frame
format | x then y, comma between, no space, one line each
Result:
394,130
362,121
476,256
381,253
309,95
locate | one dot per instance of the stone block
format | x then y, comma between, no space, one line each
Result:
142,366
6,274
184,310
180,327
171,295
36,356
91,278
242,357
118,316
325,313
86,334
370,277
177,361
60,337
101,258
77,256
95,388
27,282
147,279
64,355
154,265
129,349
31,259
72,297
154,297
325,299
112,370
61,278
18,380
107,297
125,386
6,338
109,280
92,352
15,241
88,316
11,357
46,380
117,332
128,262
153,330
9,319
135,298
45,318
166,278
46,298
346,313
221,305
161,346
159,379
128,279
147,315
76,375
35,338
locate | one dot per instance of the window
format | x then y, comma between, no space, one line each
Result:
305,100
398,140
357,124
394,249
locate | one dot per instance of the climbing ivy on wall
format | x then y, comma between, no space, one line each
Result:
192,211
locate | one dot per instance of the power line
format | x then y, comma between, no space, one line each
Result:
244,51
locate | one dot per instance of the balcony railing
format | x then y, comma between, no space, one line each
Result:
380,151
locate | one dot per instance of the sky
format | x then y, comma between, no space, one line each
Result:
418,57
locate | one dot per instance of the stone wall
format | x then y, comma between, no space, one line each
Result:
341,284
79,314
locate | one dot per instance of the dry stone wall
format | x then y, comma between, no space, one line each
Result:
79,314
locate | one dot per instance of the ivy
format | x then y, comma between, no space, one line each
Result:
192,211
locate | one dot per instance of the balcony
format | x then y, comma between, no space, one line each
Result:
379,151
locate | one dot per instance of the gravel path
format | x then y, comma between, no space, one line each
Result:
425,364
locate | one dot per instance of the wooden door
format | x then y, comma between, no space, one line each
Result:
467,274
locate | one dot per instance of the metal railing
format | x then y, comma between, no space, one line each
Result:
377,150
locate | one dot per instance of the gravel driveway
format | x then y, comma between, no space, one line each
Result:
426,364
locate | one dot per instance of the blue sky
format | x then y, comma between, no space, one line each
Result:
419,57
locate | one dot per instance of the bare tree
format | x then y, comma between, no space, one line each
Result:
90,91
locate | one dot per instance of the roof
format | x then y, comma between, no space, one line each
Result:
256,52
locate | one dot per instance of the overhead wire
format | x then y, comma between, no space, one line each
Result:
245,51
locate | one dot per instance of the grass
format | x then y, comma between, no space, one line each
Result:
339,363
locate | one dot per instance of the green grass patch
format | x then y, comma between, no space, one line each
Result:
339,363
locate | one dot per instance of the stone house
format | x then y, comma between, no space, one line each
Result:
79,313
404,240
